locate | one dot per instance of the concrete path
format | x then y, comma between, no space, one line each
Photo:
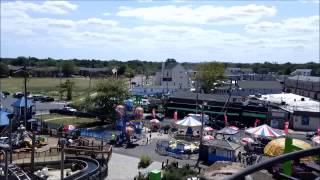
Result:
122,167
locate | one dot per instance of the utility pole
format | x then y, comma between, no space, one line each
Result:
197,98
60,75
201,130
25,94
62,143
33,150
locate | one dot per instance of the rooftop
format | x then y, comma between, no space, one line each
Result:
202,96
305,78
222,143
292,102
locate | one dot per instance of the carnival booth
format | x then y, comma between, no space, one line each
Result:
187,126
219,150
19,108
228,133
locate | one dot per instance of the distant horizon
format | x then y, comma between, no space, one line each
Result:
152,30
228,62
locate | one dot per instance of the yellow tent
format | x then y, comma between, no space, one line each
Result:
276,147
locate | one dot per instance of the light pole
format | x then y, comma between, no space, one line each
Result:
197,97
62,141
201,130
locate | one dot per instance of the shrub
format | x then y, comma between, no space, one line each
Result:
145,161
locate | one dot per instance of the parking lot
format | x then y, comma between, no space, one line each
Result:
40,107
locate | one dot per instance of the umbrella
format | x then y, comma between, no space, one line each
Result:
265,130
316,139
246,140
208,129
228,131
155,121
69,127
234,127
208,138
189,121
276,147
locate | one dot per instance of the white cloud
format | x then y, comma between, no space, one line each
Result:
98,22
50,7
291,26
310,1
106,14
206,14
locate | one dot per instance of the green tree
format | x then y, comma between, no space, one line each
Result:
209,73
68,68
4,70
67,87
110,92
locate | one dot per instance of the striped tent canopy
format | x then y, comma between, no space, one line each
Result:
316,139
189,122
265,131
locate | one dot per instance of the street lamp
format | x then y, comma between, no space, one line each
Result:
201,130
62,142
4,149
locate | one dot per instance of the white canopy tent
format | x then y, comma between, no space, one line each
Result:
189,122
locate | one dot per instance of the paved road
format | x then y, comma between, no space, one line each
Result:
123,167
149,150
39,106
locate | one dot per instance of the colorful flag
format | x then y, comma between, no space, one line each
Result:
175,116
256,122
286,127
225,118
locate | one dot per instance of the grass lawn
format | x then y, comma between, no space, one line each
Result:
47,86
66,120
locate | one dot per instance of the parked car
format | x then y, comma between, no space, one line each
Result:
67,108
37,97
47,99
6,93
18,95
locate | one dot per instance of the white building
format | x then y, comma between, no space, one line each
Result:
302,72
305,112
172,75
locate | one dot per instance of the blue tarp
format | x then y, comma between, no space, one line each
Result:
20,103
4,120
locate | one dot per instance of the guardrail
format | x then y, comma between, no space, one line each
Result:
280,159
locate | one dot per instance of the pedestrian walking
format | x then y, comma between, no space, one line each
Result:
239,157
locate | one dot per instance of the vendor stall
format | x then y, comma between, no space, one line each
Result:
219,150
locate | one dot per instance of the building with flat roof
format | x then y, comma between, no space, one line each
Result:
304,113
308,86
302,72
238,109
246,88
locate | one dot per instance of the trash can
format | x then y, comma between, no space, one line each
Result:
154,175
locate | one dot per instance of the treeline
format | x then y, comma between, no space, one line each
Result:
133,67
282,69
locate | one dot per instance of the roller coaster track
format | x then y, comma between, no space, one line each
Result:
270,163
18,172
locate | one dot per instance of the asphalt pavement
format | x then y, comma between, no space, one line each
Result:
40,107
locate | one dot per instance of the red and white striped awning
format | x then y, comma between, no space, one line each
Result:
265,130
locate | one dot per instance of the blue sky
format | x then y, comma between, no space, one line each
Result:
189,31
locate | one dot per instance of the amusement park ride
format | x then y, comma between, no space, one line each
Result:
129,122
